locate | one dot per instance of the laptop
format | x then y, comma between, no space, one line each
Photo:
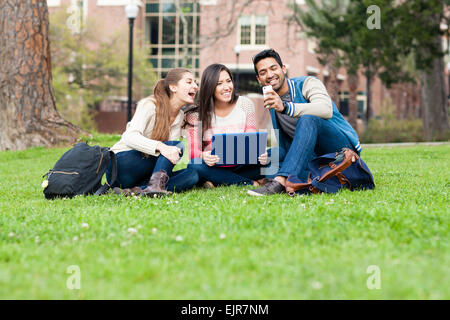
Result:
239,148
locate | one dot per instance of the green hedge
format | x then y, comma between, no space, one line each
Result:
385,130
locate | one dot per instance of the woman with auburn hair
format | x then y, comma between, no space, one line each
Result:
220,110
148,149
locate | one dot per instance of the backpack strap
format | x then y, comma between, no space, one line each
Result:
292,185
104,188
346,157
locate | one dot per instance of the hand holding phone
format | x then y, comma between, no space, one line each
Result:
265,90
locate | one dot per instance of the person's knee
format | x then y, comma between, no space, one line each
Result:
308,121
175,143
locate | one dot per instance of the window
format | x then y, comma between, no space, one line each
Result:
152,7
164,35
260,30
151,33
343,104
168,30
312,45
246,30
252,30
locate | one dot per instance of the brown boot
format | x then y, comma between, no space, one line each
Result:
157,185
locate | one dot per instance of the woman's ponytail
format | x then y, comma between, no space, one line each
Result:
162,122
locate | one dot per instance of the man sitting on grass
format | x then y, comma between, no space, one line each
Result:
308,121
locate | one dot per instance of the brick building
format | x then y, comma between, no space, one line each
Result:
221,31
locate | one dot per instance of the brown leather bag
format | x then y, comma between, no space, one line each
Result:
342,160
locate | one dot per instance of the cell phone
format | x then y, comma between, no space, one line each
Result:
266,89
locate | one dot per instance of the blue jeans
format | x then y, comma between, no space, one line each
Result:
313,136
243,174
135,169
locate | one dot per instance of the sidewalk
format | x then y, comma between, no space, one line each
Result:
404,144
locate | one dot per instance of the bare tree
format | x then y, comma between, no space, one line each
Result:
28,116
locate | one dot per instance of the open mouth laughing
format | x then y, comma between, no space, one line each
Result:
192,94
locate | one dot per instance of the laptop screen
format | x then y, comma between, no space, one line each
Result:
239,148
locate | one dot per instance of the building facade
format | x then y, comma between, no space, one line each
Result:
197,33
172,34
262,25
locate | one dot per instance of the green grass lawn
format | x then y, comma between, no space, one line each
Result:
223,244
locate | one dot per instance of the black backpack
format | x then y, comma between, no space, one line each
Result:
79,172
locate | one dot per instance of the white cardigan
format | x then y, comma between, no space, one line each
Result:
139,129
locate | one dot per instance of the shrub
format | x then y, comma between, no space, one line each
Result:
387,128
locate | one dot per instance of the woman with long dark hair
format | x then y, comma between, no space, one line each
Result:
149,148
220,110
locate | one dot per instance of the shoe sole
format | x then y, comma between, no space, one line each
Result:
253,193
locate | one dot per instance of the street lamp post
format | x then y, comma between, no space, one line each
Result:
237,50
131,11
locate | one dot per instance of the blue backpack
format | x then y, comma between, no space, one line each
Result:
331,172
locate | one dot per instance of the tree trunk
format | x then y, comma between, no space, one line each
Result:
369,79
417,101
396,99
434,100
352,81
403,102
28,116
333,85
411,104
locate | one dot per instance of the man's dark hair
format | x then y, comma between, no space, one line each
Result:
269,53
